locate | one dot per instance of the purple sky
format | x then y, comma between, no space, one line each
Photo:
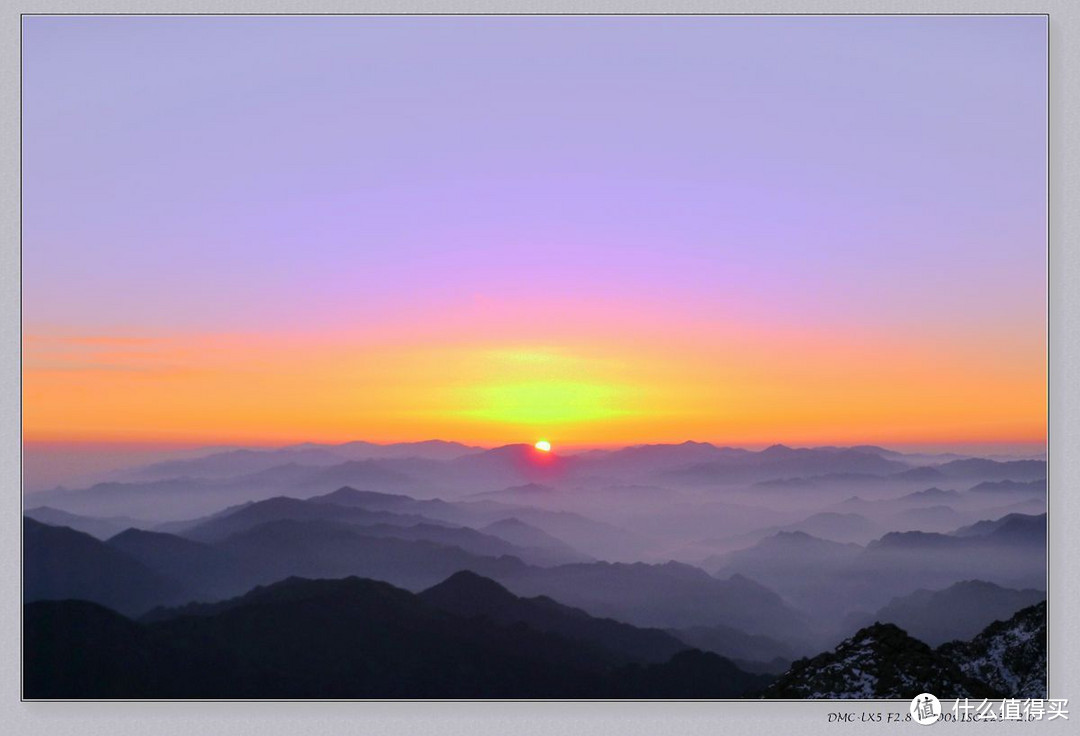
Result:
789,167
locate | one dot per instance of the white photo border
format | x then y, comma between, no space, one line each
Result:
625,718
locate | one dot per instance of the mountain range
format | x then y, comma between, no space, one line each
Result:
357,638
1005,660
649,571
469,637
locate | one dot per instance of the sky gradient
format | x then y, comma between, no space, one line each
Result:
594,230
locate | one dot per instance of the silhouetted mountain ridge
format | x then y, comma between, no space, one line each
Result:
349,638
468,594
1006,660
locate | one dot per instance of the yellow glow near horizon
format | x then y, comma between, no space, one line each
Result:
543,446
734,388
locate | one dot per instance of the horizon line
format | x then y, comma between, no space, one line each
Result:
752,446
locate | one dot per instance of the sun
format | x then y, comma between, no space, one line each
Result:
543,446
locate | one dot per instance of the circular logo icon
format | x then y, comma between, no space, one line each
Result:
925,709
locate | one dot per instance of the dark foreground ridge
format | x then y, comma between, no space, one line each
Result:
353,638
1006,660
469,637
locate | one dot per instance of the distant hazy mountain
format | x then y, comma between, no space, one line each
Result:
735,644
593,538
982,469
538,543
935,506
932,495
899,563
151,500
780,461
828,525
369,508
835,527
498,520
644,595
367,511
469,540
880,661
425,450
831,580
235,462
373,473
646,460
527,493
102,528
347,638
667,596
1020,527
184,497
137,570
958,612
1011,486
61,563
281,508
202,570
396,503
797,565
825,481
245,461
328,549
468,594
176,488
1010,656
937,518
500,467
786,555
920,474
518,532
1029,506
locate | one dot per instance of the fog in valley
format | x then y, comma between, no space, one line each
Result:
754,559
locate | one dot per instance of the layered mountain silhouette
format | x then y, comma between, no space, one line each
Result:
983,469
1019,528
422,469
672,595
59,563
468,594
563,536
780,461
958,612
751,651
247,461
350,638
836,580
933,495
202,570
528,536
102,528
648,571
1033,487
169,568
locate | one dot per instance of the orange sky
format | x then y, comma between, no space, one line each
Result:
701,382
